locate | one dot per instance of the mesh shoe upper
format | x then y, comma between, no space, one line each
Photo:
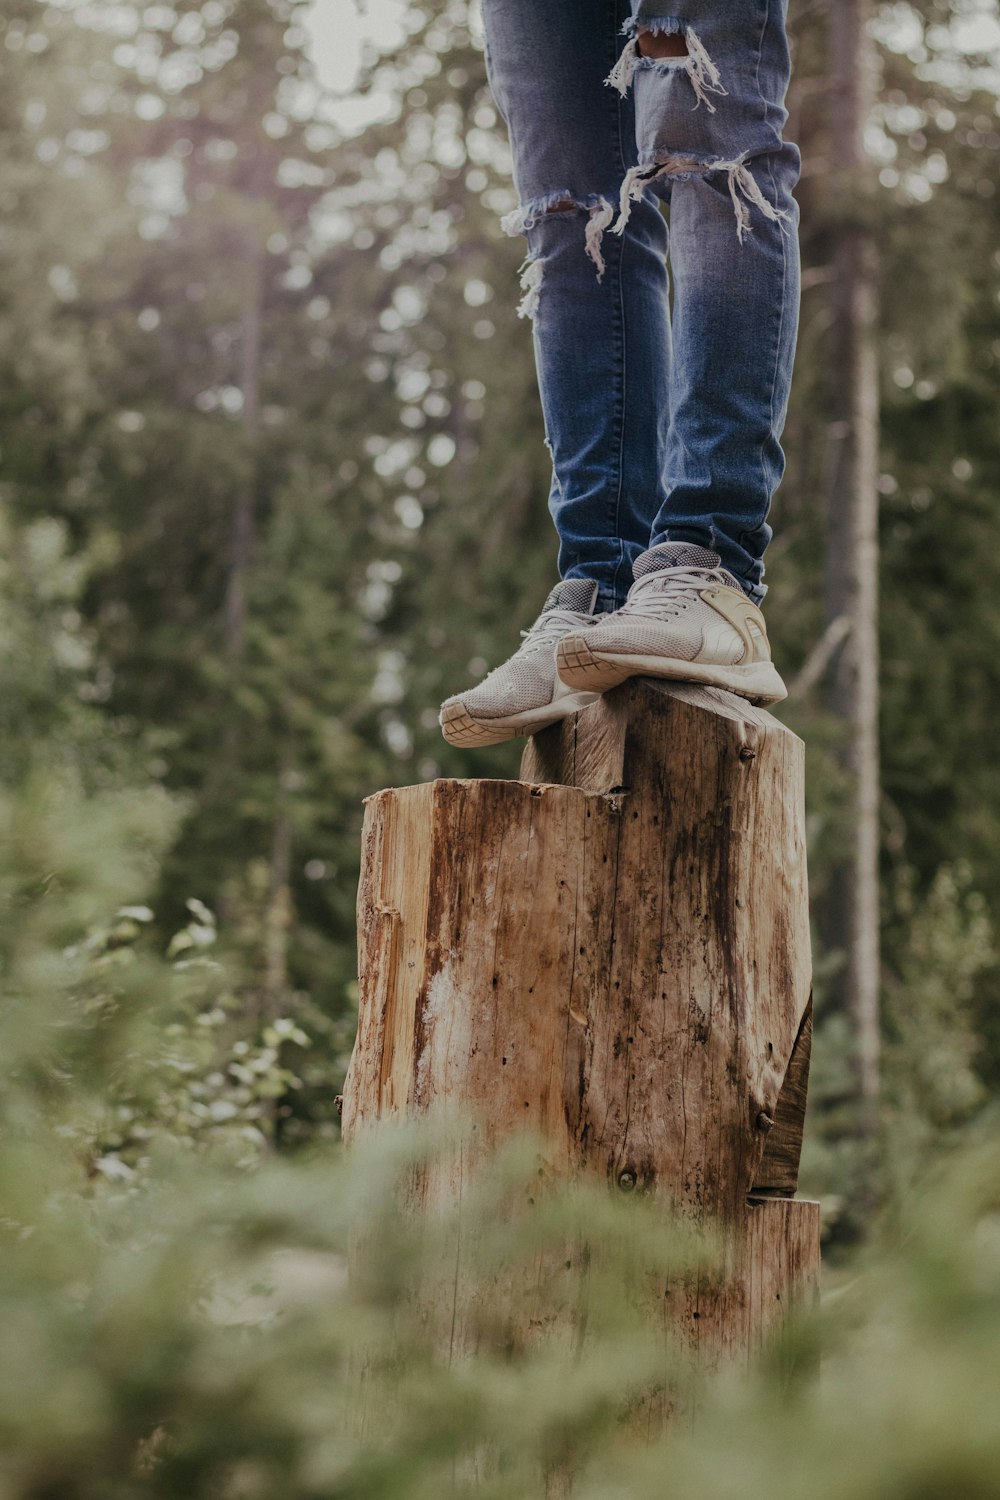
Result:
528,680
681,555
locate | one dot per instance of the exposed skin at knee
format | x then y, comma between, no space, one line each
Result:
661,44
680,45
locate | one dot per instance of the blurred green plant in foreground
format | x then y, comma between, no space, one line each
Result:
175,1323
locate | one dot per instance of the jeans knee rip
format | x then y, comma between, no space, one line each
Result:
600,213
743,187
699,67
705,81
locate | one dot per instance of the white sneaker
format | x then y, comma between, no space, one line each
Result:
685,618
525,694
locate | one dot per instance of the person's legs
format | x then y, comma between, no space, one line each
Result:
709,112
598,301
599,311
709,115
671,459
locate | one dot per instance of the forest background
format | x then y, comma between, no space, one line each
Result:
272,484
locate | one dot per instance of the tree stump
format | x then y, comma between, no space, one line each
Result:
612,952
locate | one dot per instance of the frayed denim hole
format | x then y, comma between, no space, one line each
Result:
532,272
556,489
657,25
595,207
744,190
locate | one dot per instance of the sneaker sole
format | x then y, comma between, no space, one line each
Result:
581,667
461,728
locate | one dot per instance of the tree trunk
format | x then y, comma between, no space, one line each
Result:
852,536
619,964
226,768
241,536
278,911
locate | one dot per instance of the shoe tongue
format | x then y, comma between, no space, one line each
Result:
674,555
579,594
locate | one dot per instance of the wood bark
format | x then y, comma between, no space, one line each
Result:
242,530
612,953
852,922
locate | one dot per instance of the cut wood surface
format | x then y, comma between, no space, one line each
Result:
612,952
609,748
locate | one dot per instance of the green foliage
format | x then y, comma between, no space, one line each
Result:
203,1078
933,1047
933,1086
188,1328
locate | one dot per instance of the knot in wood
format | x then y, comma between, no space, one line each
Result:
747,753
764,1121
627,1180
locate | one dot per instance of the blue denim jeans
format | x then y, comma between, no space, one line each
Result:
663,413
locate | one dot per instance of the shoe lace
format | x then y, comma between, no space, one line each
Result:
668,591
550,628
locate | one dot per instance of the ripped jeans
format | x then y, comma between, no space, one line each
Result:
664,422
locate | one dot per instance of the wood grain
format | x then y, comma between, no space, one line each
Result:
613,954
624,741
